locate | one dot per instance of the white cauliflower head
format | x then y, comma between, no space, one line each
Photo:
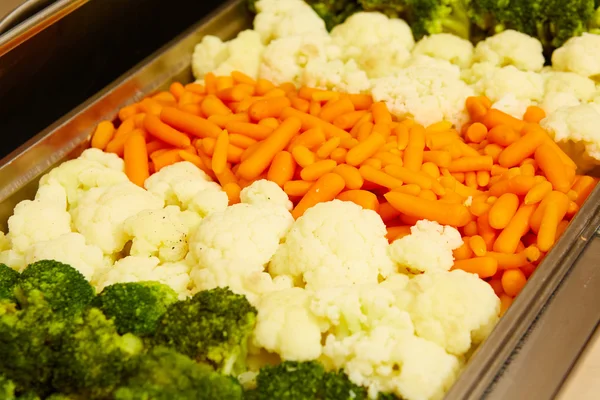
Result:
556,100
70,249
511,48
284,59
222,58
334,244
101,212
186,186
511,105
445,46
453,309
581,87
345,77
428,248
285,325
496,83
426,92
137,269
265,192
109,160
580,54
277,19
383,59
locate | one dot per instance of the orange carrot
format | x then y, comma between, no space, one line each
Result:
233,192
337,108
128,111
508,261
253,131
455,215
475,163
310,121
351,176
509,238
325,189
167,158
269,108
358,154
349,119
554,211
513,281
297,188
478,245
363,198
136,159
584,187
439,158
373,175
361,101
523,148
164,132
282,169
495,117
219,158
555,172
413,155
534,114
188,123
104,133
317,170
303,156
485,267
381,114
503,210
396,232
328,147
538,192
476,132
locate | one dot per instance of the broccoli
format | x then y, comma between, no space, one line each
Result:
28,338
165,374
7,388
213,326
334,12
337,386
92,357
63,287
135,307
8,280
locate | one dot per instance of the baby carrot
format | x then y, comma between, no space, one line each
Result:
351,176
338,155
188,123
485,267
364,131
361,101
455,215
478,245
476,108
538,192
509,238
136,159
415,190
413,155
327,148
317,170
167,158
327,188
517,260
464,252
476,132
311,121
387,212
269,108
371,174
555,172
407,176
496,117
584,187
233,192
297,188
349,119
505,303
176,89
554,211
150,106
474,163
430,169
402,133
164,132
253,131
219,158
258,162
397,232
303,156
300,104
503,135
439,158
513,281
534,114
282,169
339,107
381,114
241,141
104,133
128,111
263,86
364,150
503,210
363,198
523,148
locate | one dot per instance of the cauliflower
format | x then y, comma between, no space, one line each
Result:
383,60
428,248
511,48
453,309
161,233
4,242
70,249
137,269
334,244
581,87
101,212
284,59
511,105
265,192
278,19
90,170
499,82
186,186
576,131
336,75
580,54
427,92
556,100
285,325
222,58
365,30
445,46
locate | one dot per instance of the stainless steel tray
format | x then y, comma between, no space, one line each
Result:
562,287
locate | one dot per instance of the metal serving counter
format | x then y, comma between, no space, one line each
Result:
535,345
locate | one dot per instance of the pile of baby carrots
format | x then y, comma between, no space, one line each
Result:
503,182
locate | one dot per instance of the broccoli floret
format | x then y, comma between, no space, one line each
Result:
7,388
289,380
213,326
63,287
337,386
334,12
164,374
59,396
28,338
92,357
559,20
8,280
135,307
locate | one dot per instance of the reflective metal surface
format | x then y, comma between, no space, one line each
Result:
23,11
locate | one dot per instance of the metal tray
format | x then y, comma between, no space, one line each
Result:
562,286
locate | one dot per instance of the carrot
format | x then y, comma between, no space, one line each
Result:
523,148
476,132
538,192
253,131
317,169
335,109
104,133
351,176
402,133
358,154
282,168
325,189
258,162
373,175
584,187
349,119
485,267
430,169
241,141
474,163
476,108
364,131
534,114
219,157
189,98
167,158
484,229
413,155
188,123
197,161
300,104
269,108
194,88
164,132
554,211
407,176
503,135
297,188
310,121
339,155
328,147
439,158
303,156
136,159
263,86
233,192
503,210
513,281
555,172
415,190
509,238
464,252
381,114
150,106
478,245
361,101
387,212
518,260
455,215
495,117
128,111
396,232
363,198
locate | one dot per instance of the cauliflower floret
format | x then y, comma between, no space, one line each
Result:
222,58
568,82
556,100
284,59
100,214
334,244
453,309
575,129
4,242
428,248
427,92
511,48
580,54
184,185
88,171
109,160
365,30
336,75
499,82
391,360
285,325
70,249
277,19
13,259
511,105
265,192
445,46
137,269
160,233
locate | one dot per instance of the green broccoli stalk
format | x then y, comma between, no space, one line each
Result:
65,289
213,326
164,374
8,281
135,307
92,357
334,12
